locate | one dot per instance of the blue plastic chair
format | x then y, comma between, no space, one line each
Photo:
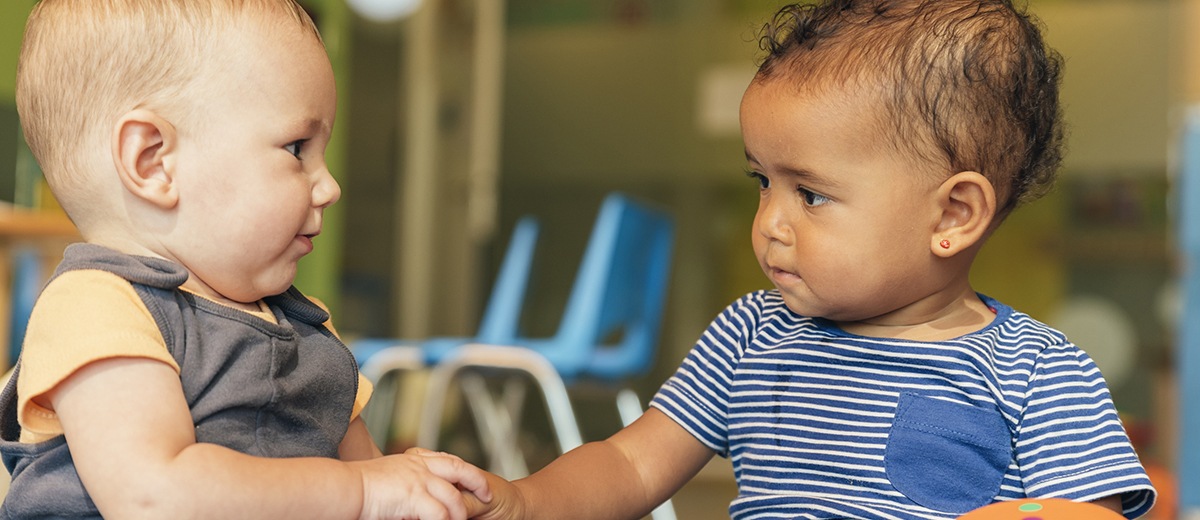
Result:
619,292
379,358
27,279
27,283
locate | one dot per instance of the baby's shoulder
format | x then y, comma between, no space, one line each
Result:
1015,331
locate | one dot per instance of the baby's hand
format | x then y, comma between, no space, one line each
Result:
419,484
506,502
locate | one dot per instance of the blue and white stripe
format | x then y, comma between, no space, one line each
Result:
807,413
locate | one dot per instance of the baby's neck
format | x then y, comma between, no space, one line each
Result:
969,316
203,292
132,246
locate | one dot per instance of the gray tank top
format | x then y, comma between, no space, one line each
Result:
283,389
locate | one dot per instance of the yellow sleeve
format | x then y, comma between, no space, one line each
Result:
81,317
365,388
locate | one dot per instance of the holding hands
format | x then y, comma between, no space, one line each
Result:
505,501
422,484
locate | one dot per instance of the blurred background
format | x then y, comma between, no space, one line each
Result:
457,117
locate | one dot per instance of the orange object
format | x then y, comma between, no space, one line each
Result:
1166,507
1041,509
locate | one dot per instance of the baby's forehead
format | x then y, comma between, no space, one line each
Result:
873,101
862,107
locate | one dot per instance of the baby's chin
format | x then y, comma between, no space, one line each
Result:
252,295
812,309
801,307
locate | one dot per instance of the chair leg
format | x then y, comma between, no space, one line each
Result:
554,390
494,417
438,384
396,361
496,426
381,410
630,408
512,403
664,511
521,360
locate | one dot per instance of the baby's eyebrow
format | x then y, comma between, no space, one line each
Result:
807,176
810,178
311,125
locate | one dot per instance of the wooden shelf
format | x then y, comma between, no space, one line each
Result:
17,223
48,233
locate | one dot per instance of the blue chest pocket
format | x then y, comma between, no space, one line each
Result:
947,456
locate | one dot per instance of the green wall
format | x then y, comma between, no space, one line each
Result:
320,271
12,26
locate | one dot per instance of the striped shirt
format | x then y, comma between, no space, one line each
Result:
820,423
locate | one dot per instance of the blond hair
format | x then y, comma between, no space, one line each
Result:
84,63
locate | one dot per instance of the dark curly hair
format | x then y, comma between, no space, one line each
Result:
971,79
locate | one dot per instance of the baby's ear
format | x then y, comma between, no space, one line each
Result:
143,144
967,201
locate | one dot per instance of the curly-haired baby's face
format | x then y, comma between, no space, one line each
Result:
844,222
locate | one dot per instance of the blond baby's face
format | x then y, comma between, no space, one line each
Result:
252,179
844,222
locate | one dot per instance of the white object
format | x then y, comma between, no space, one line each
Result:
719,99
384,10
1103,330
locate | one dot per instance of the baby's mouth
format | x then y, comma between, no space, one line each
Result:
782,274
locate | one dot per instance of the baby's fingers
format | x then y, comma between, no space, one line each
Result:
415,499
475,507
422,506
455,470
449,499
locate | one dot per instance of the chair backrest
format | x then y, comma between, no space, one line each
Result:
611,321
499,324
501,316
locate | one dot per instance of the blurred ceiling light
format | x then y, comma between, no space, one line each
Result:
384,10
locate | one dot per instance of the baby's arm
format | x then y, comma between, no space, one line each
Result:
623,477
358,444
1112,502
133,442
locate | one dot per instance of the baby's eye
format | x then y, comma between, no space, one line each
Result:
811,198
295,147
763,181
